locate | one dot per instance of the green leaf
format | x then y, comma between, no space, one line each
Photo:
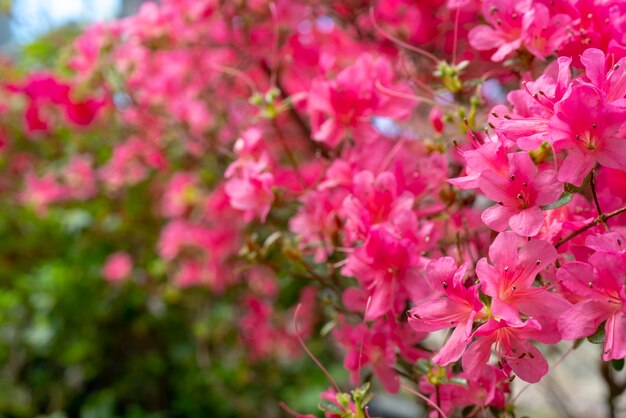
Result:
327,328
598,336
618,364
327,406
570,188
563,200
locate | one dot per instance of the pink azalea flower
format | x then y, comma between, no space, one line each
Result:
452,306
612,82
589,127
369,346
519,195
388,268
511,345
533,106
513,24
509,281
375,200
601,285
349,102
117,267
491,155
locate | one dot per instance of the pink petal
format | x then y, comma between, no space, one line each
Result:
528,222
477,355
527,361
503,310
483,38
613,153
582,320
576,167
497,217
549,189
453,349
615,340
593,60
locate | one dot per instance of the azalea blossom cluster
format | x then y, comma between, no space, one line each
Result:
445,180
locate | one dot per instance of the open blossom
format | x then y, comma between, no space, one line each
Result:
611,82
250,182
509,281
513,24
519,195
375,200
452,306
591,130
511,345
348,103
389,268
601,285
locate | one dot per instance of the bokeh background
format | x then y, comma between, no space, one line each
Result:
72,345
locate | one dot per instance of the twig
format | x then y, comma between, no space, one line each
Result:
592,183
601,218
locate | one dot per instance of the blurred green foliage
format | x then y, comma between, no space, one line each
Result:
73,345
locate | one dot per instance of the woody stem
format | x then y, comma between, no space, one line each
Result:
601,218
592,183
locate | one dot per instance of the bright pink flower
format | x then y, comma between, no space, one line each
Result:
250,182
368,346
601,284
375,200
317,224
509,281
348,103
117,267
612,82
589,127
388,267
518,195
514,24
251,194
452,306
181,193
533,106
491,155
511,345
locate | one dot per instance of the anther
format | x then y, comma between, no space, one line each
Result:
520,196
495,115
506,268
594,125
538,262
521,356
590,285
507,117
524,184
531,355
512,178
499,202
445,285
492,126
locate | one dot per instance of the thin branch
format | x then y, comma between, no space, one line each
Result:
592,183
601,218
